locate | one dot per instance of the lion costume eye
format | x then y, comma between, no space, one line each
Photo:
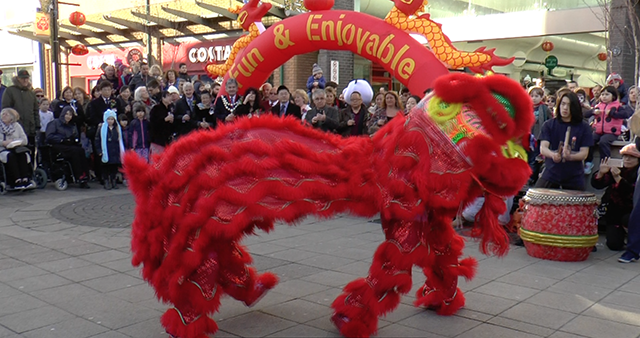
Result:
514,150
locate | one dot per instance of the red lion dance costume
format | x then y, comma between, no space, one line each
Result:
210,189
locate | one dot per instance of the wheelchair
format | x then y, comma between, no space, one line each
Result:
55,168
39,176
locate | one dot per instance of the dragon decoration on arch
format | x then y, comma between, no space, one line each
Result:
404,15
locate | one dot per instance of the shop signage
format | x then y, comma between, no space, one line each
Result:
551,62
90,63
41,24
196,54
211,54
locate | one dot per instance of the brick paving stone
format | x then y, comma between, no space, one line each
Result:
255,324
598,328
33,319
562,301
76,327
40,282
493,331
538,315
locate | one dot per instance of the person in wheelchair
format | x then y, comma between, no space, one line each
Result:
64,138
13,151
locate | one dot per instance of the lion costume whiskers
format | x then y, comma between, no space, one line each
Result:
212,188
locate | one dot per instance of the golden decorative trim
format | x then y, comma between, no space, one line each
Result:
561,241
559,197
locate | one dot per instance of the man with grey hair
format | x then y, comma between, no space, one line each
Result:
185,108
226,105
322,116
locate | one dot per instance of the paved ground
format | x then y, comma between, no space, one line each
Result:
65,272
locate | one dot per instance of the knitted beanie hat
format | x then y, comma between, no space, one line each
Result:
316,69
612,77
631,150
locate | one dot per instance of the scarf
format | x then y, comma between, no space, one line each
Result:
7,129
103,135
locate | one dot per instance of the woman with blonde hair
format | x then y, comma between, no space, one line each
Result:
301,99
391,106
13,151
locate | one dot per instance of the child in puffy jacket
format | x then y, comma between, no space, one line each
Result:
609,117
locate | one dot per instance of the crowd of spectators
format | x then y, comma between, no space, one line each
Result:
144,108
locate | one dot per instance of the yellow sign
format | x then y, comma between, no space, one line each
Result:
41,25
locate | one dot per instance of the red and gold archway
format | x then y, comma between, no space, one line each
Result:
387,42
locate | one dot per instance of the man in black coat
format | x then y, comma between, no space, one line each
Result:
285,107
95,113
141,79
185,110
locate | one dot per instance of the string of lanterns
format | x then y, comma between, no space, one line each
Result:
78,19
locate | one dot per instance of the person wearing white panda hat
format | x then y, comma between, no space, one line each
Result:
353,119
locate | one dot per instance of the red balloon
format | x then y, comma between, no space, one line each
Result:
602,56
547,46
319,5
77,18
79,50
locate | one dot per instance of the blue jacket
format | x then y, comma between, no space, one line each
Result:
312,79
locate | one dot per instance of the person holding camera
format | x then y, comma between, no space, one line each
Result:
619,178
63,136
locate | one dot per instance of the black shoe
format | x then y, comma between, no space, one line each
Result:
114,185
84,185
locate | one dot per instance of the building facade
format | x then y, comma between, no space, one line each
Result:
195,33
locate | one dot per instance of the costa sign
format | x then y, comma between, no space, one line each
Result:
210,54
195,54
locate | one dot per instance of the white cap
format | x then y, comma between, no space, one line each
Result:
173,90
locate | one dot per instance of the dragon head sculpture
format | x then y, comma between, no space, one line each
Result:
250,12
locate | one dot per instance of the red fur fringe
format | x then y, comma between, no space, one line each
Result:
199,328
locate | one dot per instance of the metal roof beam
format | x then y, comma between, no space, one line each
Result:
159,21
29,35
219,10
87,32
111,30
69,36
193,18
128,23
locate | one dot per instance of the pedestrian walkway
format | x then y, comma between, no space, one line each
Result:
65,272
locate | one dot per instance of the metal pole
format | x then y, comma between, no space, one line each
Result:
148,33
55,49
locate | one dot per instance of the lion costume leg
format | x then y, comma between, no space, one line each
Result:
440,291
224,271
365,299
241,281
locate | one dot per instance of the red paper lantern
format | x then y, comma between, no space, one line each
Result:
77,19
79,50
602,56
318,5
547,46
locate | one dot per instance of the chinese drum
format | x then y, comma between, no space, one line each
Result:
559,225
